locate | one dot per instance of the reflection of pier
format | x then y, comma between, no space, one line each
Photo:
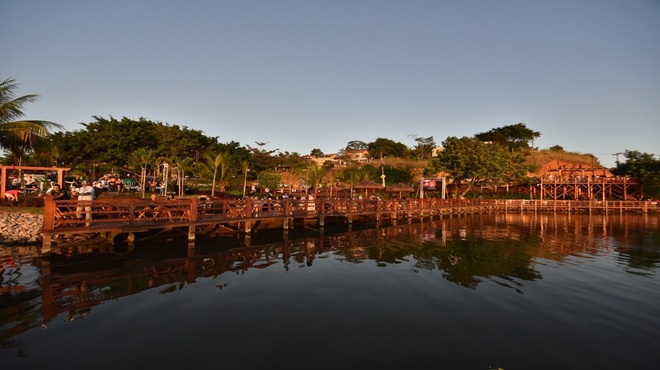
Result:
67,287
111,217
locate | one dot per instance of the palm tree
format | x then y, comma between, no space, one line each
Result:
142,158
315,174
218,161
181,165
17,135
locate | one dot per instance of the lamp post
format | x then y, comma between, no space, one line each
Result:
246,170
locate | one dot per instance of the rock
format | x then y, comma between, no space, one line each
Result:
20,228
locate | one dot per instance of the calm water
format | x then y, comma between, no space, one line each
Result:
471,292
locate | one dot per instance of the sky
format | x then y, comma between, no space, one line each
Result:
305,74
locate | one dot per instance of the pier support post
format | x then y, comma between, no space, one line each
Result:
191,233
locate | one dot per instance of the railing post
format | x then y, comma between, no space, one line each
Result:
286,206
192,217
321,203
49,225
131,213
49,213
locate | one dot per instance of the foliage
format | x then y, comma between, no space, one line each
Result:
262,159
395,175
356,145
514,137
425,146
643,166
141,159
472,162
386,147
111,141
20,136
269,180
219,164
314,175
316,152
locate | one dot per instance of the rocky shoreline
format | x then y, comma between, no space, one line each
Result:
20,228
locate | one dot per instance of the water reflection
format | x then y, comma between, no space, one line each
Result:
503,248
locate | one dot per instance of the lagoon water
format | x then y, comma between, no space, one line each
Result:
510,291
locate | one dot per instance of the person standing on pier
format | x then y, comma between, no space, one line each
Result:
86,193
56,192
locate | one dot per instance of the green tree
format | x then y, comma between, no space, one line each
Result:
141,159
111,141
314,175
269,180
220,165
395,175
177,167
316,152
386,147
514,137
18,135
643,166
424,147
356,145
471,162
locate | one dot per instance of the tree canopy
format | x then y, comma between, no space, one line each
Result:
472,162
387,147
643,166
514,137
112,141
18,135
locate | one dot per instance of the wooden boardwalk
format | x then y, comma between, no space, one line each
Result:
111,217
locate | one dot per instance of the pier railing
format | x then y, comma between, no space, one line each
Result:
74,214
133,215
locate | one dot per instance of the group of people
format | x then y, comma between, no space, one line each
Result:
30,186
81,190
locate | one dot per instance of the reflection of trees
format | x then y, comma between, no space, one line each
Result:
18,313
466,250
465,261
641,250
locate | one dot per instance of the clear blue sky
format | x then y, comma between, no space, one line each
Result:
317,74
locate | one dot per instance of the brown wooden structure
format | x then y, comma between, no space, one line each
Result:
590,188
111,217
4,174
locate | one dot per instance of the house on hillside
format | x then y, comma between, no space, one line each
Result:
334,158
357,155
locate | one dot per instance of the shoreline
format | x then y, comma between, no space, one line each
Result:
20,228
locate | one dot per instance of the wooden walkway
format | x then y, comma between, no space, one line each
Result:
111,217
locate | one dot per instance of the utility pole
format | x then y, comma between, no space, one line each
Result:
617,157
382,169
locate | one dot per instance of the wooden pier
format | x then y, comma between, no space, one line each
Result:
108,218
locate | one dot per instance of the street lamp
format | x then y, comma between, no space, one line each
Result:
245,180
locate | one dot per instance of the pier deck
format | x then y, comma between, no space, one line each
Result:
111,217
